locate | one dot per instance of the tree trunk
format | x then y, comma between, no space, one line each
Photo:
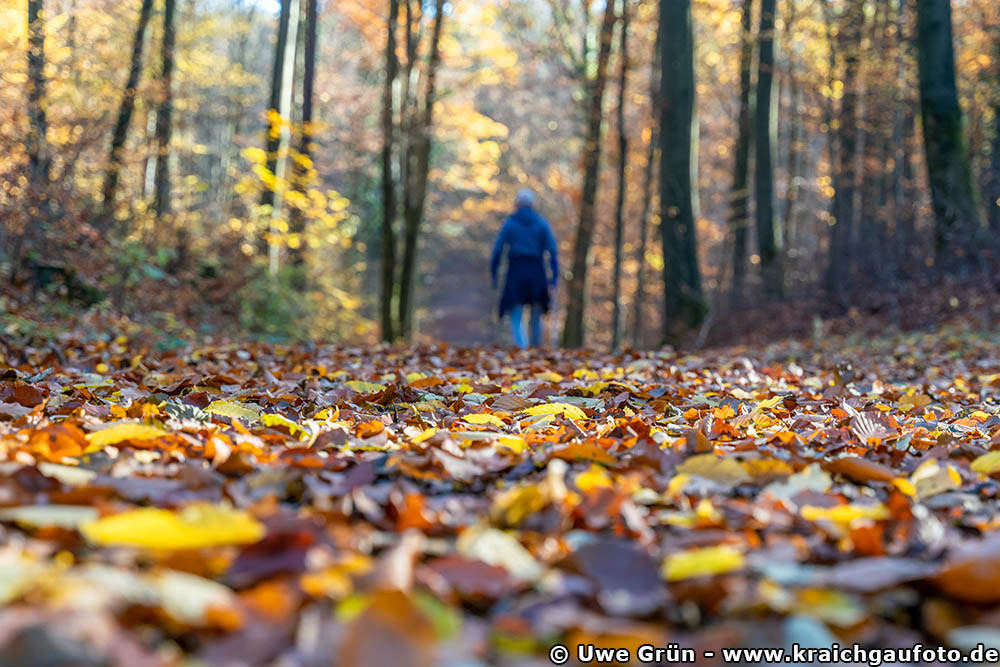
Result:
993,205
418,167
897,203
684,303
795,142
869,131
844,209
408,101
120,132
302,168
739,196
623,64
573,331
285,113
639,305
273,136
768,229
38,151
957,220
164,115
388,244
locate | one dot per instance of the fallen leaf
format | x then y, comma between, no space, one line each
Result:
195,526
122,432
565,409
703,562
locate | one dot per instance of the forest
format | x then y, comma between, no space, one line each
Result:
340,171
257,407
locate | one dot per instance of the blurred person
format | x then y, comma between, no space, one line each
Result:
525,238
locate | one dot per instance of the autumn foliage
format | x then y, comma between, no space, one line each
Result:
242,503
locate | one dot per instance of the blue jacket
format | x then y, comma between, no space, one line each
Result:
525,234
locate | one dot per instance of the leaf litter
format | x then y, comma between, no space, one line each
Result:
272,505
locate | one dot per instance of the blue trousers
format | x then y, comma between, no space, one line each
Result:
534,325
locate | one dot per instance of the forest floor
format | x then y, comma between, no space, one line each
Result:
236,503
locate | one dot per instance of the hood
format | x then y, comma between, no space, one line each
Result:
525,215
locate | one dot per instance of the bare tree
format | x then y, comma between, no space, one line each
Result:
302,167
164,114
38,151
766,120
388,245
573,330
417,170
273,138
844,208
639,301
739,196
120,132
623,65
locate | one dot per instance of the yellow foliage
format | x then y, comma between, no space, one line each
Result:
271,419
427,434
124,431
513,443
912,400
594,477
706,561
484,418
363,387
516,504
845,514
233,410
716,468
565,409
195,526
988,463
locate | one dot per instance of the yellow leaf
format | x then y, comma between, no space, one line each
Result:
905,486
911,401
594,477
763,468
464,388
988,463
716,468
195,526
931,478
513,443
565,409
769,404
676,486
363,387
515,505
335,581
702,562
122,432
273,419
549,376
233,410
845,514
598,387
484,418
426,435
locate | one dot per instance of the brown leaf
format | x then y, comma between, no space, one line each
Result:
391,631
